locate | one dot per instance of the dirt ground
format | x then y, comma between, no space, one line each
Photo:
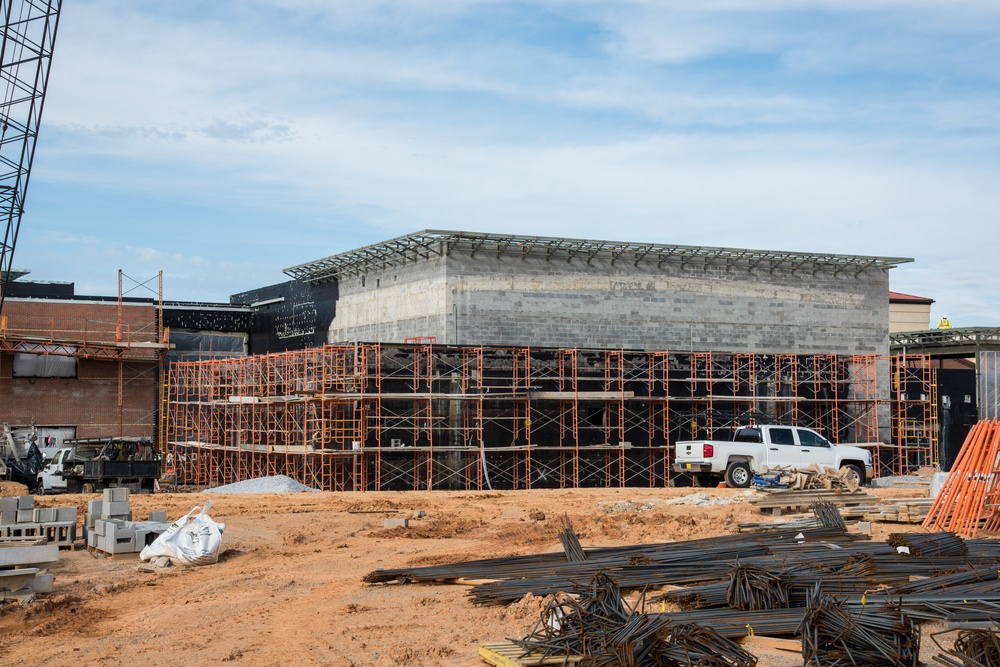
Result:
288,588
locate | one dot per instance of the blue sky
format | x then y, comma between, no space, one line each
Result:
221,142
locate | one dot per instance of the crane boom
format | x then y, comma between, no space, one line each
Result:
29,35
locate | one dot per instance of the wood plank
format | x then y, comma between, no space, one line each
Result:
509,654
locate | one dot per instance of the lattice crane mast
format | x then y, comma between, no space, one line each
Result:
29,35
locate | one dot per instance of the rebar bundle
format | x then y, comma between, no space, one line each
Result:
835,635
828,514
752,587
570,541
929,544
605,632
972,648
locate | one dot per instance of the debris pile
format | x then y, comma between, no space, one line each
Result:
815,476
272,484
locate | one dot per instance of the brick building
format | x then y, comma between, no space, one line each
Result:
78,366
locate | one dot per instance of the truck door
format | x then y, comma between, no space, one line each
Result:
814,448
52,481
782,449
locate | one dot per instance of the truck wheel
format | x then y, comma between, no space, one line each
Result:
856,473
738,475
39,488
88,488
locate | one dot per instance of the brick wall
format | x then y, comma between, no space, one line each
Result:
88,402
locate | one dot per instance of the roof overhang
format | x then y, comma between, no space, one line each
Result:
430,243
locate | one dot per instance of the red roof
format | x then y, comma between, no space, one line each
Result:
899,296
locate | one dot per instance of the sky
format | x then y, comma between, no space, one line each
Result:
221,142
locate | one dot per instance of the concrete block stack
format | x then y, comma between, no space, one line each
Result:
110,530
21,520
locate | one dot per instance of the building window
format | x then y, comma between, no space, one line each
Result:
44,361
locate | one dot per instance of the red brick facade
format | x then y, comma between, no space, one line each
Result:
90,401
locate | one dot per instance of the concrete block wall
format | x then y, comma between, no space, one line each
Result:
510,300
394,304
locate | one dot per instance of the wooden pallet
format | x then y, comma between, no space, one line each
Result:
778,503
509,654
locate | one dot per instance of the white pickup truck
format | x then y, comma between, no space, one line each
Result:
754,448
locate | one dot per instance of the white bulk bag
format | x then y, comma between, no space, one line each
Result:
194,539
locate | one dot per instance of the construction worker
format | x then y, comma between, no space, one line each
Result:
944,323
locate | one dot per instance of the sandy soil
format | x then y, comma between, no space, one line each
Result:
288,589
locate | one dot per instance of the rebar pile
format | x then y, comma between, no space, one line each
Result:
828,514
602,629
929,544
752,587
972,648
834,634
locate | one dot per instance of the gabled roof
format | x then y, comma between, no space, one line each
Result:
432,242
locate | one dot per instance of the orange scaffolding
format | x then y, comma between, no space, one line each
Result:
423,416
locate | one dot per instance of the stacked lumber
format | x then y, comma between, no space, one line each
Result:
969,500
902,510
777,503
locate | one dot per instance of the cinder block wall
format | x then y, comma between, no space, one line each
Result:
508,300
561,303
89,401
395,304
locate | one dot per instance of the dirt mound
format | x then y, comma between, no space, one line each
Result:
8,489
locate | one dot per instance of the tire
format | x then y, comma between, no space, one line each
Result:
88,488
859,474
39,488
738,475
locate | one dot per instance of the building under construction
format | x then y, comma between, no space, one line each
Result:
503,361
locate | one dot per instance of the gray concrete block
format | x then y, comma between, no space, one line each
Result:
115,508
395,522
25,502
92,538
44,514
8,516
99,527
62,534
42,583
160,517
28,555
66,514
116,495
25,516
26,530
95,506
9,504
